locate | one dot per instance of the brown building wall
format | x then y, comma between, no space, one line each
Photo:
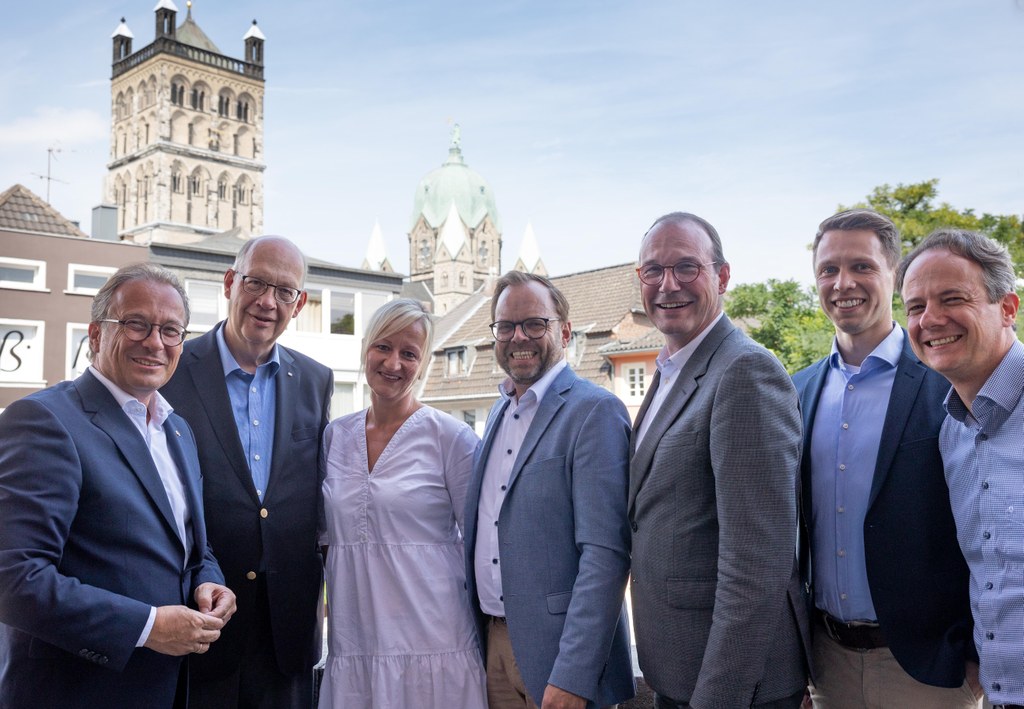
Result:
53,303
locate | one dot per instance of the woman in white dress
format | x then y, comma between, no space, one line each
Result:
401,633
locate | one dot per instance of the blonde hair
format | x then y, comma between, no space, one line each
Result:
393,317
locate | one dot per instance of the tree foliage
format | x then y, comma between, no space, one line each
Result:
784,317
914,210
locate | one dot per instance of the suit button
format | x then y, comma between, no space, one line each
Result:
633,526
251,576
264,513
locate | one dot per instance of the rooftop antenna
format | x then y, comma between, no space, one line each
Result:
50,157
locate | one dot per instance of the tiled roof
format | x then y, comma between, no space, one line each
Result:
604,306
23,210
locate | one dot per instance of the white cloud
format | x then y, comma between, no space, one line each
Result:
51,126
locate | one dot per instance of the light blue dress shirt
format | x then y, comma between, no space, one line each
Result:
253,403
844,451
983,455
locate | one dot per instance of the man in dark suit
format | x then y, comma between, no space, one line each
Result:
719,617
102,541
259,411
890,586
547,543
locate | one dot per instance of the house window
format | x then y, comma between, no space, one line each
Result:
311,317
204,302
22,274
369,305
87,280
455,362
344,399
77,350
636,381
21,352
470,418
343,313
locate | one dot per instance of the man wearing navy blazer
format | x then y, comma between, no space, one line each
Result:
547,543
889,584
259,411
102,542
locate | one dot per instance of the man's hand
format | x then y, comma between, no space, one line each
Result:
555,698
178,630
216,600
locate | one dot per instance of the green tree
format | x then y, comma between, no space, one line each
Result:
914,210
784,317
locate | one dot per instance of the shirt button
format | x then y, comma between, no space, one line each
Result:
990,636
841,510
256,457
850,387
494,561
986,535
253,390
260,493
983,436
842,596
984,485
842,552
255,422
515,416
846,426
264,513
988,586
842,466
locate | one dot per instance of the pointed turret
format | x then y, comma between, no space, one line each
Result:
122,41
254,45
529,254
376,254
166,11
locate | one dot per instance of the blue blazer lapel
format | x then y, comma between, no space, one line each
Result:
905,387
546,410
108,417
288,380
190,477
207,372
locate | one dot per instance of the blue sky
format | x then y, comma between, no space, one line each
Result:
588,118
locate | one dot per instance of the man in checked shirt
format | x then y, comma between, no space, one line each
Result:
958,288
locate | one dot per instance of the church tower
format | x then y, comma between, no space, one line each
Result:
455,237
186,137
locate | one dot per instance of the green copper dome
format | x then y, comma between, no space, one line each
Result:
454,182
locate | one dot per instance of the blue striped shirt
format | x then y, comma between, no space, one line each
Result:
983,455
253,403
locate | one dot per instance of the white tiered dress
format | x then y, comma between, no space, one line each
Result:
401,634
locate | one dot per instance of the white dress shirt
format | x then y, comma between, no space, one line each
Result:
512,426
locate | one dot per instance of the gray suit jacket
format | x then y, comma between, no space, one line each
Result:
564,543
717,607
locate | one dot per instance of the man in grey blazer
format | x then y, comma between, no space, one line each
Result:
259,411
547,541
719,616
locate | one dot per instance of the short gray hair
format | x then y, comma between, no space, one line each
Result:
994,259
135,272
242,257
393,317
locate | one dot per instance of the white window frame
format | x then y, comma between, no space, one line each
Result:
88,269
195,327
71,349
35,374
39,281
635,389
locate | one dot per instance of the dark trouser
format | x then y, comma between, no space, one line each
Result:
791,702
257,683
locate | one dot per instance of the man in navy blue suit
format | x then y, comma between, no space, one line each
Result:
102,540
888,581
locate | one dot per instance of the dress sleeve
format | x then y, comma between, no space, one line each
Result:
458,469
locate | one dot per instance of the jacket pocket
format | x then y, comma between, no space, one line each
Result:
558,603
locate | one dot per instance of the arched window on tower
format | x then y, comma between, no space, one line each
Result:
195,184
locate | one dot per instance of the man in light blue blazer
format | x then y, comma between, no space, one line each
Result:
547,539
102,541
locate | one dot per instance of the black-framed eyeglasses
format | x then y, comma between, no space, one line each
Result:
684,272
534,328
137,330
256,286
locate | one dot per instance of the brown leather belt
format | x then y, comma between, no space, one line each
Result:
856,636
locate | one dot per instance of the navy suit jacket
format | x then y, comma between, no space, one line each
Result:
279,535
917,576
88,545
564,543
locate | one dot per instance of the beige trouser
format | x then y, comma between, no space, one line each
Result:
505,688
873,679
